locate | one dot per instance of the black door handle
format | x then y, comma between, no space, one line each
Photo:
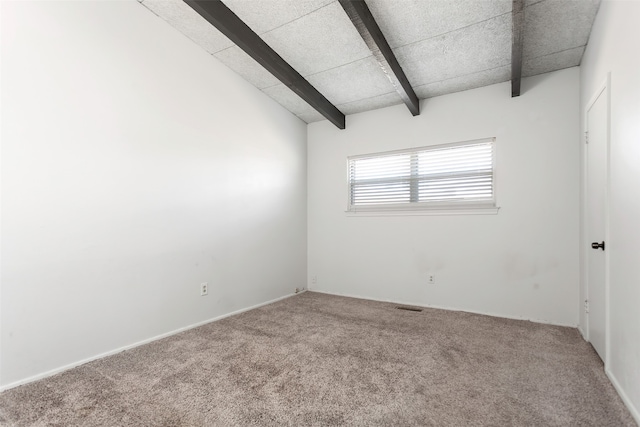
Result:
596,245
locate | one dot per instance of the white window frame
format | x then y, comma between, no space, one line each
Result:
425,208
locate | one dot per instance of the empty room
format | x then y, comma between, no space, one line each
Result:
320,213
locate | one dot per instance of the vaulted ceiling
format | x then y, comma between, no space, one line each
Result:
443,46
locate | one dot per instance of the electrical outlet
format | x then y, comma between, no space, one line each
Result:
314,280
431,278
204,289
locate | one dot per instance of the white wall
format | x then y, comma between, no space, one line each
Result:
613,47
522,262
134,167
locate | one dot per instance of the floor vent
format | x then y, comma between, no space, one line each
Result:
410,309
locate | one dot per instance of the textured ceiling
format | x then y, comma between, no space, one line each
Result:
443,46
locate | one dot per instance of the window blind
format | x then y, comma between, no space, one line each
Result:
452,175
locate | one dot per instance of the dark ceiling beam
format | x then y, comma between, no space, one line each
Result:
517,41
228,23
366,25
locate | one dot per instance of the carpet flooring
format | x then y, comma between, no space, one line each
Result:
321,360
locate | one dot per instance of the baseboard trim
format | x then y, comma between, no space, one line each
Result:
137,344
439,307
625,399
584,336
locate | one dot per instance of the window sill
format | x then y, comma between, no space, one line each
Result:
420,212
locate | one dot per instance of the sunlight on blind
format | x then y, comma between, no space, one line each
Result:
463,172
381,180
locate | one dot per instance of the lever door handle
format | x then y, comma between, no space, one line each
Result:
596,245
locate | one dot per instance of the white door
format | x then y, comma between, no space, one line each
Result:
597,124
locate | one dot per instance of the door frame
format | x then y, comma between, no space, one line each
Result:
603,88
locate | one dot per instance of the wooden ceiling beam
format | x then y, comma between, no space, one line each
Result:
517,41
228,23
363,20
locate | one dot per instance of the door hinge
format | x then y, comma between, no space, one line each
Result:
586,137
586,306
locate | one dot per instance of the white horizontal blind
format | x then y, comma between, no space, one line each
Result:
381,180
452,175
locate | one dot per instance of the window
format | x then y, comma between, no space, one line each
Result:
451,176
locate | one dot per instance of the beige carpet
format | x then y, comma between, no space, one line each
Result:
316,359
